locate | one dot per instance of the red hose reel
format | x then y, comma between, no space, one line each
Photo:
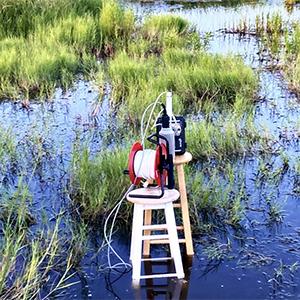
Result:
161,156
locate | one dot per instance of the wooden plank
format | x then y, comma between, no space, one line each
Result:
164,241
182,159
159,227
147,222
185,210
157,259
155,237
159,275
155,227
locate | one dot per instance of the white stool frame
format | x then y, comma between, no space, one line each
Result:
138,237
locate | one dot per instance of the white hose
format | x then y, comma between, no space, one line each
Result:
144,164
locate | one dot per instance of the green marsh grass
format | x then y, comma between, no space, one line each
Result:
98,182
116,24
27,256
31,13
292,57
37,255
281,39
217,196
7,148
35,69
60,41
225,138
51,54
194,78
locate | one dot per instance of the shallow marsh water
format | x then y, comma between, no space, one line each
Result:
254,262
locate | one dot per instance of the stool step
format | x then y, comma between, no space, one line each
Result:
164,241
154,286
157,288
158,276
177,205
157,259
155,237
159,227
155,227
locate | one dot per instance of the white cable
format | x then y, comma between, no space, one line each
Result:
116,208
144,164
108,240
150,116
156,119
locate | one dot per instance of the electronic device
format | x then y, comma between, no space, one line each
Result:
178,127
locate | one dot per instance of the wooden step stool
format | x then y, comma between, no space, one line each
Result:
137,236
179,162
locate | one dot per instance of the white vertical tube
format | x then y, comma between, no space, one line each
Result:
169,106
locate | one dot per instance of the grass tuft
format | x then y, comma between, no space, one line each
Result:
115,22
97,182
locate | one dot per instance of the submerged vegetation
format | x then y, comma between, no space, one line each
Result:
52,44
36,256
280,40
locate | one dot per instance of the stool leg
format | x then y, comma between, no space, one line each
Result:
133,230
185,211
148,221
173,237
137,236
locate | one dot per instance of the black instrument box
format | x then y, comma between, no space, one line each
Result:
179,130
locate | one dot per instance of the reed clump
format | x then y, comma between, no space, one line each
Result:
226,137
7,150
292,57
280,40
61,40
194,78
28,257
116,24
217,197
98,183
34,69
21,17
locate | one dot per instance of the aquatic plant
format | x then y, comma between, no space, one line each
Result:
7,148
226,137
159,25
194,78
35,69
116,24
32,13
28,258
218,251
97,183
280,39
216,196
292,57
60,40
